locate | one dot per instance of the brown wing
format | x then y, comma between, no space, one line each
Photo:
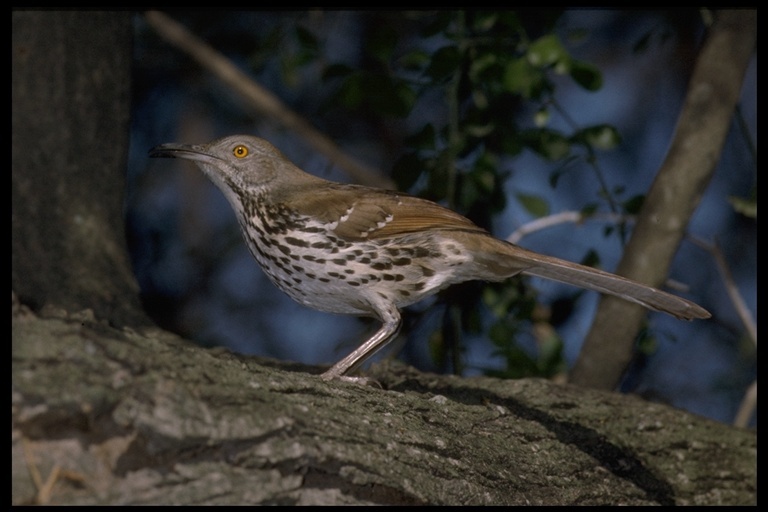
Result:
361,213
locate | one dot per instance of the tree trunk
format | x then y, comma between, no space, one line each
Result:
701,131
71,103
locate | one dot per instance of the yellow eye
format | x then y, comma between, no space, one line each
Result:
240,151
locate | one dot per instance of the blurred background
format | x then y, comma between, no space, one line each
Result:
505,117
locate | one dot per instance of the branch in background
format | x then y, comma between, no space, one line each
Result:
730,286
576,217
592,162
749,402
561,218
261,99
747,407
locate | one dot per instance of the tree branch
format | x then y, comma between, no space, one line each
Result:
261,99
146,418
574,217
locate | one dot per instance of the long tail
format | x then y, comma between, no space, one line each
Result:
612,284
503,259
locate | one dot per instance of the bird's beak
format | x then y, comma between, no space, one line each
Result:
186,151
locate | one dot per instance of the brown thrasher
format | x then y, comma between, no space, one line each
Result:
365,251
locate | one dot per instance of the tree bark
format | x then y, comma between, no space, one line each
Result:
71,104
690,163
126,417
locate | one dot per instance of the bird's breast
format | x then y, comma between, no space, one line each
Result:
317,268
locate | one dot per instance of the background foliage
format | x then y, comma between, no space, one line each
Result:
492,114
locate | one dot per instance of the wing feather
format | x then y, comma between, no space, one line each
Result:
361,213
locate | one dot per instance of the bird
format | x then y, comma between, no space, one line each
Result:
357,250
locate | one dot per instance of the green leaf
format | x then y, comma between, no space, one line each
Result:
512,145
501,298
633,204
444,63
501,334
541,117
479,131
382,42
646,343
586,75
423,139
437,346
414,60
480,99
744,206
387,95
603,136
468,194
350,93
550,144
591,259
551,360
480,63
306,38
484,178
588,210
523,79
535,205
485,21
547,51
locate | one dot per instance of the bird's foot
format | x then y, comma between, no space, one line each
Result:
361,381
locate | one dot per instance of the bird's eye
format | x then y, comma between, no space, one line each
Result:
240,151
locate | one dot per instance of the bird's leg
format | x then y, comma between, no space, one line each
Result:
391,322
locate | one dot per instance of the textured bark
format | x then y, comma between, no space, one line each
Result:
690,163
126,417
71,103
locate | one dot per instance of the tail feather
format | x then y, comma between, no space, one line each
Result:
612,284
495,260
